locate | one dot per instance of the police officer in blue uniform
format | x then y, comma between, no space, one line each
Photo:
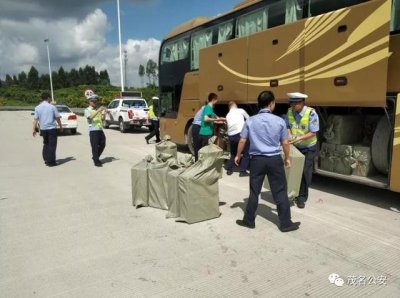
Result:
303,124
267,133
47,115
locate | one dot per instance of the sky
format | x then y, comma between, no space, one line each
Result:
82,32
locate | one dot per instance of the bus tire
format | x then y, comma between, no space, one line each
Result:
189,139
380,147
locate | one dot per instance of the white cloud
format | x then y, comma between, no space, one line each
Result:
73,44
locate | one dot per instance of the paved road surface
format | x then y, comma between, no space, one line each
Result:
70,231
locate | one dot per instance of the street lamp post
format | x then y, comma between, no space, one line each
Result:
120,48
125,61
48,57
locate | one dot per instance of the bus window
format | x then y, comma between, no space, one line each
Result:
395,21
318,7
166,103
252,22
200,40
293,11
225,31
175,50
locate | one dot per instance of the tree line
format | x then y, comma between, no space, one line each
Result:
61,78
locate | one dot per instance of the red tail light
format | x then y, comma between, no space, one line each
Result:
72,117
130,114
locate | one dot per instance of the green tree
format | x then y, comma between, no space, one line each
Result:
9,80
44,82
15,80
141,74
33,78
22,78
104,78
73,77
151,71
62,78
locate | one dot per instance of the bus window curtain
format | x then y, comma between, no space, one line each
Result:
225,32
395,20
174,52
251,23
183,49
199,41
293,11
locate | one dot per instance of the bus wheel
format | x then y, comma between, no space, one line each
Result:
380,147
189,139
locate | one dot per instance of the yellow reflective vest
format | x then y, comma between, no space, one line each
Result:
301,128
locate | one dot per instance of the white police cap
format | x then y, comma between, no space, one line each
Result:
296,96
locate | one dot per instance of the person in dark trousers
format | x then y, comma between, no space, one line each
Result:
196,125
235,120
95,117
266,133
155,124
47,115
302,123
207,120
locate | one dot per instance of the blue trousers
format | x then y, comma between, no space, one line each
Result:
244,162
273,167
309,154
49,145
98,143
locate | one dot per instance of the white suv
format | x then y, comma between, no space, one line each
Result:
130,110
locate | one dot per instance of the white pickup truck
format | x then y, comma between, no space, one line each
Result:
129,110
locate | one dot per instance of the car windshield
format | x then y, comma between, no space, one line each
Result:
63,110
134,103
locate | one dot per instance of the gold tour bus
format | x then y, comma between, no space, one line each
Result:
344,54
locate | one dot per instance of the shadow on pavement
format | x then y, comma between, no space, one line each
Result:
65,160
262,211
108,159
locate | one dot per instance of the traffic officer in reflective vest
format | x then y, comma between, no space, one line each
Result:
303,124
266,133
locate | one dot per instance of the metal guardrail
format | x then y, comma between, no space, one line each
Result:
78,111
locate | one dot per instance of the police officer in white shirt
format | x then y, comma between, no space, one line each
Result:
235,120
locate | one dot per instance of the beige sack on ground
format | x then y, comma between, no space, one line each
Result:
157,184
166,148
198,186
140,195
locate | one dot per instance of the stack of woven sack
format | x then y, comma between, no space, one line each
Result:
188,190
344,151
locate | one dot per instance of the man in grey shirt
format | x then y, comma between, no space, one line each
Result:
47,115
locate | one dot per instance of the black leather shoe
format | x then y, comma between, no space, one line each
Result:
147,141
158,141
242,223
229,173
300,204
51,164
244,174
293,227
98,164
